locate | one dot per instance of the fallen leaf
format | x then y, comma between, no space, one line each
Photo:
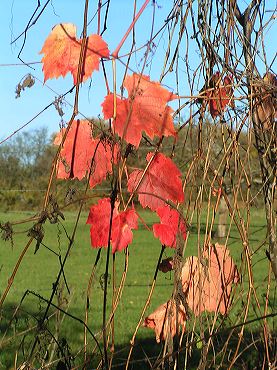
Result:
62,50
145,110
155,182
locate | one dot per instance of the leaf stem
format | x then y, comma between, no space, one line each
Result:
115,53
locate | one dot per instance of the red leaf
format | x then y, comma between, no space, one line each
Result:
77,150
99,218
145,110
105,154
162,179
208,285
81,150
121,231
220,95
122,225
62,52
171,224
163,319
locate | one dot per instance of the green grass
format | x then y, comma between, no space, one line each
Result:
38,271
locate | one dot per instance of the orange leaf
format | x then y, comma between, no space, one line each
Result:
145,110
62,50
163,319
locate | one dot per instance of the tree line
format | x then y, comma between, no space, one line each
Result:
26,160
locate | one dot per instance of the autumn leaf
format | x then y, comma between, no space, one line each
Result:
104,156
163,320
220,95
145,110
170,226
122,234
160,183
62,50
122,225
207,283
81,152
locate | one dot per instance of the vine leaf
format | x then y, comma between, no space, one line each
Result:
81,152
163,319
220,95
145,110
62,50
122,225
206,283
170,226
154,186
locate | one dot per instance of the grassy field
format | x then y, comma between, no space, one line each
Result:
38,271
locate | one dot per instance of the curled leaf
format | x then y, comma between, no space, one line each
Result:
28,81
266,104
165,319
166,265
220,95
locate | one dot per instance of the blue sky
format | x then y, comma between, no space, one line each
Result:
14,16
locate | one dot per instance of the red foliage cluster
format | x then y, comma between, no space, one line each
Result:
206,281
170,227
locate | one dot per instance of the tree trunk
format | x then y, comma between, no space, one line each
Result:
265,137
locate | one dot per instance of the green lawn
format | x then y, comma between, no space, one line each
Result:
38,272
